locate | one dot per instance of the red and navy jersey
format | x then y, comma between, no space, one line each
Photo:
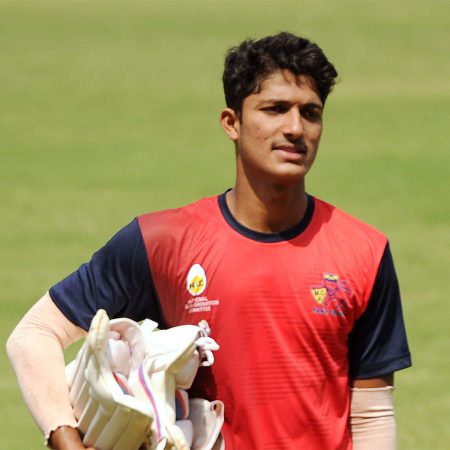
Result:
296,313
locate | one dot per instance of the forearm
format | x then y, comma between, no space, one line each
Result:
36,351
372,419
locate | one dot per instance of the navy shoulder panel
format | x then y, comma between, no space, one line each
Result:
117,279
378,344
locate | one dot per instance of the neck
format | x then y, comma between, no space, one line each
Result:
268,208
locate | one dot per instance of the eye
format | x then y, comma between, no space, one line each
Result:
312,114
277,108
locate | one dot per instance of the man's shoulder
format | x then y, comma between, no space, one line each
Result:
196,207
173,220
334,217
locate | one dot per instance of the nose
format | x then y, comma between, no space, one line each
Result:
293,126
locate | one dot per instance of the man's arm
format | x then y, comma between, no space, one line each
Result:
372,419
117,279
35,348
377,346
379,382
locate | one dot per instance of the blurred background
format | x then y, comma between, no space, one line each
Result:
110,109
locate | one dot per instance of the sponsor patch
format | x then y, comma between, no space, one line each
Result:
196,282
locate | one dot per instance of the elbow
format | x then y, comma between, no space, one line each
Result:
24,340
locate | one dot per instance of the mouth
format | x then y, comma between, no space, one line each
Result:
299,148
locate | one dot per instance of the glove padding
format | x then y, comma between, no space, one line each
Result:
125,381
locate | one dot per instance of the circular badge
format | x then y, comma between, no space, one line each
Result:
196,280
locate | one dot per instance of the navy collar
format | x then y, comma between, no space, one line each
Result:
285,235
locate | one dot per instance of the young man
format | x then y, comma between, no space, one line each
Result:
302,298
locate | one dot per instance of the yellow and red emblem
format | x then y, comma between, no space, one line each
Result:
196,280
319,294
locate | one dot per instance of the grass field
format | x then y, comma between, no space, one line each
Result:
110,109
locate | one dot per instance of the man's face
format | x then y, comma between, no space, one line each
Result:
278,132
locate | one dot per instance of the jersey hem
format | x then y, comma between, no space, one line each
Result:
53,292
384,367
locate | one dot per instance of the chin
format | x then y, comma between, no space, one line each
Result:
289,178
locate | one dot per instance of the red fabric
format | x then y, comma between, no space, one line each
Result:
281,313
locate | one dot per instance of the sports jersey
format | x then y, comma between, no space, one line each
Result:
296,313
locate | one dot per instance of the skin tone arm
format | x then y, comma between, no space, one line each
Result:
36,345
372,418
387,380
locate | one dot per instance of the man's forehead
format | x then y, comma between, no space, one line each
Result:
280,82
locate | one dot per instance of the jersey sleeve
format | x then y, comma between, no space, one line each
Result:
378,344
116,279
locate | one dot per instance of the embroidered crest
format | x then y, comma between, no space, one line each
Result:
319,294
331,295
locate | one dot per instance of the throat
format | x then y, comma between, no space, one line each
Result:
269,214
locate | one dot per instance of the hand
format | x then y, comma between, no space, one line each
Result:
67,438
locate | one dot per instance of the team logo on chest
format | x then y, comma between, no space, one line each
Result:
196,282
332,295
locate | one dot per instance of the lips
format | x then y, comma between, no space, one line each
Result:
290,148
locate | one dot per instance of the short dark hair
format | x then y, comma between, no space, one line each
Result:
249,63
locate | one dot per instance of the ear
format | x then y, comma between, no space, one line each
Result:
230,123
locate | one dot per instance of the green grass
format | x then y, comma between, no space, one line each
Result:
110,109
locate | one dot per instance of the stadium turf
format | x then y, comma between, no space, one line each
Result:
110,109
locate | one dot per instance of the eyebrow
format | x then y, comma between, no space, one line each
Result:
287,102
